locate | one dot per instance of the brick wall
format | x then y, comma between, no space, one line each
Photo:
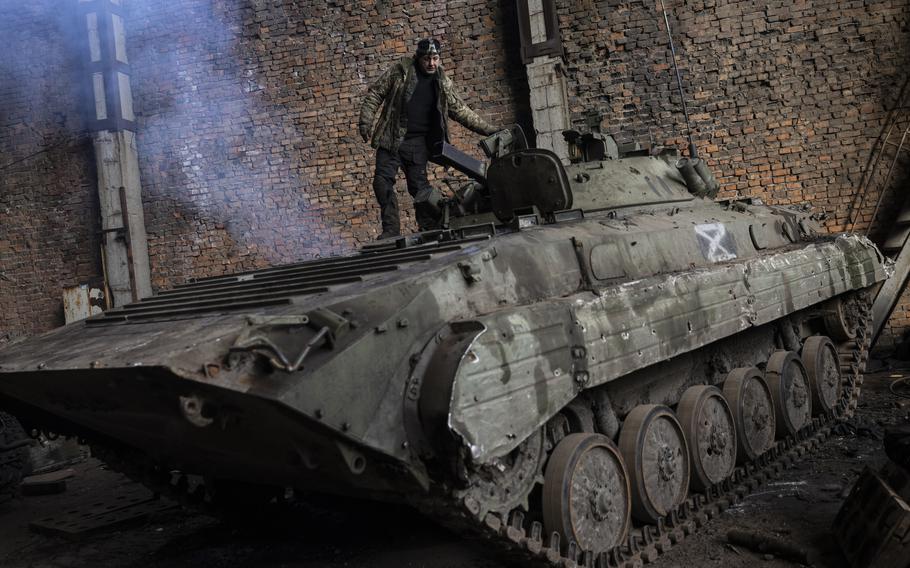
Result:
785,97
247,113
48,210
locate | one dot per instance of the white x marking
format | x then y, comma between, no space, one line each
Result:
713,234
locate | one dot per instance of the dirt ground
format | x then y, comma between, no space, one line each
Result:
798,507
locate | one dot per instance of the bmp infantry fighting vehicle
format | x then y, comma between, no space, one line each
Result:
577,363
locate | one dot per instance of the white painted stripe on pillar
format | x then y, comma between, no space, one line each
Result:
94,38
126,96
538,24
119,39
100,97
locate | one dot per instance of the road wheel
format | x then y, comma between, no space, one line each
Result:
707,423
823,368
789,386
586,492
753,412
654,448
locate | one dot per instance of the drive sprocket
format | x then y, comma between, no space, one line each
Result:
505,485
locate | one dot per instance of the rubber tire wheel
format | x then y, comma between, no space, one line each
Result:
14,462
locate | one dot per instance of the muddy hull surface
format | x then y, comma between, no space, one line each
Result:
234,437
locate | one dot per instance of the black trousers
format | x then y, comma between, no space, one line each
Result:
412,157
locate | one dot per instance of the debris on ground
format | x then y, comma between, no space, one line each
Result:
46,483
127,503
768,545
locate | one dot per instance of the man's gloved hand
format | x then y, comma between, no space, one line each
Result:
365,133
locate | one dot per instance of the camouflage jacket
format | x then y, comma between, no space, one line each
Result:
392,91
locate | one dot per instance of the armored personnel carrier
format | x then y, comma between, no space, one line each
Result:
580,361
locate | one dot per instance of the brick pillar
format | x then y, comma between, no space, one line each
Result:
110,117
549,105
542,53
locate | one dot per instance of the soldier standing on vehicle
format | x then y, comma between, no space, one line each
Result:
416,97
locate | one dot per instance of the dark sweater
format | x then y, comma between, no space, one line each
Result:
422,106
